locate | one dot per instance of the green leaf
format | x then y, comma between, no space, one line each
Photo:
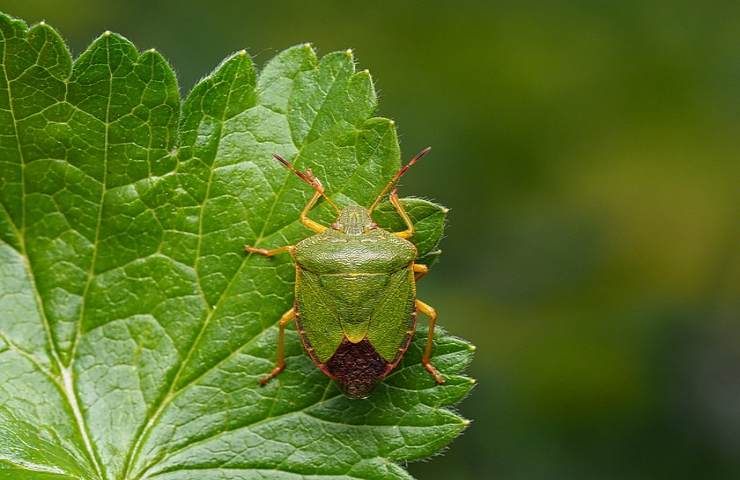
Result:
429,223
133,328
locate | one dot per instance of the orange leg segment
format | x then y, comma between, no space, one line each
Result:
287,317
402,213
315,226
420,270
269,253
432,314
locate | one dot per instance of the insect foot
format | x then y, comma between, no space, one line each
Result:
274,373
259,251
269,253
433,371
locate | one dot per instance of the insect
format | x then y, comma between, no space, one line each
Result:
355,292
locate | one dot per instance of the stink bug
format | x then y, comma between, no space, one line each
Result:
355,292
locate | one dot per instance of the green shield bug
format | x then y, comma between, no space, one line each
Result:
355,292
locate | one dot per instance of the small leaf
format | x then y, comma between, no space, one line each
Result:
133,328
429,224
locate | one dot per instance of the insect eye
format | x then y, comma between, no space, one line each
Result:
336,226
372,226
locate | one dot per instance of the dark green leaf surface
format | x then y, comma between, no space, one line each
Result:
429,223
133,328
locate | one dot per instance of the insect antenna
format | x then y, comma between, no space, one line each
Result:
307,177
398,176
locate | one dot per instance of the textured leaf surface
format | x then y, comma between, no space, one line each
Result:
133,328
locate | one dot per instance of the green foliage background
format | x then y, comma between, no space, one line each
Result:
589,154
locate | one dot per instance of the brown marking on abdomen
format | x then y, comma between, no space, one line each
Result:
357,367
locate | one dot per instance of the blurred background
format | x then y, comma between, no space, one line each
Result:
590,153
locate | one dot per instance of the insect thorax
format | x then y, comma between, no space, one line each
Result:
375,251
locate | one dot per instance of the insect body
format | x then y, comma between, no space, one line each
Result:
355,293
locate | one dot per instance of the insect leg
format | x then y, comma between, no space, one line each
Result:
420,270
432,314
287,317
315,226
310,179
269,253
405,216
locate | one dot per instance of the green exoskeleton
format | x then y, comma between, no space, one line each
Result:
355,292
